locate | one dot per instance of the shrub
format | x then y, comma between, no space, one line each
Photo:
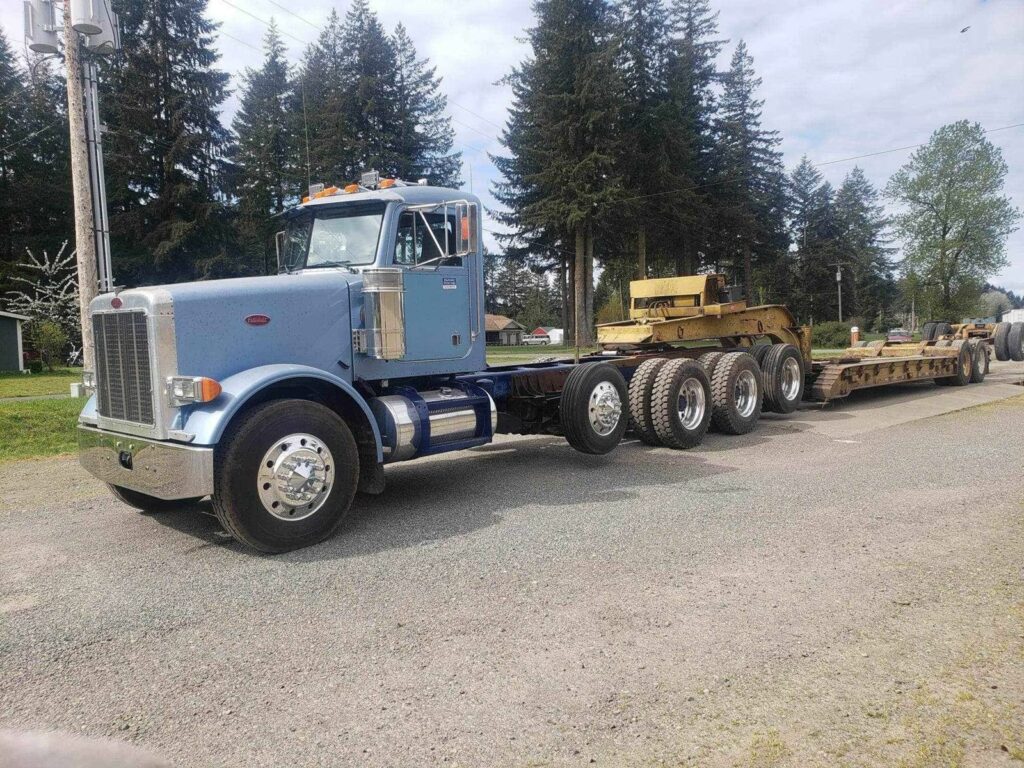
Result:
49,340
831,335
35,366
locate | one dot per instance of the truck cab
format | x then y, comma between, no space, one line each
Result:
345,360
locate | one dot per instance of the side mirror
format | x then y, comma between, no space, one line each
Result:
279,247
466,228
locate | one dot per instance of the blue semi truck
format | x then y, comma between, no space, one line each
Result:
283,396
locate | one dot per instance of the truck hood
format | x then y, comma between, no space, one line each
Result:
217,323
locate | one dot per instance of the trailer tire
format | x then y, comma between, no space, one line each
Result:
942,329
737,389
964,366
1001,336
249,505
146,503
759,352
681,404
1015,342
928,332
640,388
594,408
709,360
783,378
980,367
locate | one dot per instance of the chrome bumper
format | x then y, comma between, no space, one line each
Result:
161,469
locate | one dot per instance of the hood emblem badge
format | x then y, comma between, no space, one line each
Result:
257,319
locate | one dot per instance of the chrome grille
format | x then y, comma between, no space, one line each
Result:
124,382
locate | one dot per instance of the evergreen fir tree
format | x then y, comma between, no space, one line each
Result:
369,98
162,99
265,178
422,134
815,231
35,202
749,184
652,142
868,275
324,145
562,139
692,77
13,133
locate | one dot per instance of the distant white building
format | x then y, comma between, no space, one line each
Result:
1014,316
555,335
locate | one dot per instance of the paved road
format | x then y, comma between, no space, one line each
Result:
842,587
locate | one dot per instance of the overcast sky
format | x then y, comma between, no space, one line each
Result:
841,78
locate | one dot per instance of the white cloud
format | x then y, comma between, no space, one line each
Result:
840,78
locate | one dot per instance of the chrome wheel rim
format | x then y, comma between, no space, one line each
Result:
295,477
791,378
691,404
605,408
745,394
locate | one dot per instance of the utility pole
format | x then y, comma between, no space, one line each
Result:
90,31
839,284
85,242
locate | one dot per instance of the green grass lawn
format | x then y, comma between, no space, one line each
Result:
38,428
55,382
512,355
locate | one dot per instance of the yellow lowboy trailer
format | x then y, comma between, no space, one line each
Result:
694,316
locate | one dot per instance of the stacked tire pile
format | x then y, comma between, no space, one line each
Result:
1009,341
673,403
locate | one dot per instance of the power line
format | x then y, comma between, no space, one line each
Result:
902,149
32,135
695,187
293,13
475,115
239,40
261,21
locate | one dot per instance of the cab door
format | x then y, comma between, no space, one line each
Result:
437,286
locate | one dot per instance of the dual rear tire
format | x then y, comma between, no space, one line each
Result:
673,403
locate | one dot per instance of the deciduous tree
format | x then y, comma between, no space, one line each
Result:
955,217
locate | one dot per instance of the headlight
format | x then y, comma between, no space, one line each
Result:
183,390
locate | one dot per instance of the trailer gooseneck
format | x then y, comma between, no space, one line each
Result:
281,397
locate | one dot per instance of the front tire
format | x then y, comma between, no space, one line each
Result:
285,473
146,503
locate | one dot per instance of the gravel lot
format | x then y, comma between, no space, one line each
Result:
842,587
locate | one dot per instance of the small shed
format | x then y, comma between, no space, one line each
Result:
503,331
12,351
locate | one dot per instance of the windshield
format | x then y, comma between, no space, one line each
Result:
339,237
